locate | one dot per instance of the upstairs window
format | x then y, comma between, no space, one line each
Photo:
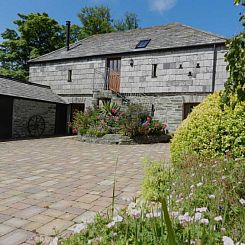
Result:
69,76
143,43
154,70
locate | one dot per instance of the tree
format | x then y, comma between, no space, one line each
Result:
36,34
129,22
96,20
235,56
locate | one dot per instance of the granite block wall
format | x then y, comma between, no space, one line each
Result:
168,109
24,109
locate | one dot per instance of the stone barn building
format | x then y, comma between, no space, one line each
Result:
168,68
29,109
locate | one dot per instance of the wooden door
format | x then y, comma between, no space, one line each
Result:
114,70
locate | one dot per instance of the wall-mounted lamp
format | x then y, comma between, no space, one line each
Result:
189,74
131,62
180,66
198,65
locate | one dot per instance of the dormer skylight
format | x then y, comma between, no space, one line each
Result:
143,43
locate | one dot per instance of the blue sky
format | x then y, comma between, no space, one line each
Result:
217,16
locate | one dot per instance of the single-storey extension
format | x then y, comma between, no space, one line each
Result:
29,109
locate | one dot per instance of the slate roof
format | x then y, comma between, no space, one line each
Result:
15,88
162,37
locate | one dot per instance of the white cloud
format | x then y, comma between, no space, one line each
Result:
161,5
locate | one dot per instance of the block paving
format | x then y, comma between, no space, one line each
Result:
48,185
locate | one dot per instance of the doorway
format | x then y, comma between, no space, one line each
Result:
113,74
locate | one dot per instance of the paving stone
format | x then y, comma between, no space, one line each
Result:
88,198
54,227
61,205
14,238
32,226
40,218
4,229
29,212
53,213
16,222
41,179
68,216
86,217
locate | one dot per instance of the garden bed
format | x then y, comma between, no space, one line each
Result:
118,139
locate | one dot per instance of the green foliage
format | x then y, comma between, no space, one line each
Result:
96,20
210,131
156,182
129,22
36,34
134,116
110,120
235,85
204,203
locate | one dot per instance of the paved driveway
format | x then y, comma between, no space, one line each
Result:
48,185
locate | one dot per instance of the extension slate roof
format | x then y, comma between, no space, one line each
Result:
162,37
27,90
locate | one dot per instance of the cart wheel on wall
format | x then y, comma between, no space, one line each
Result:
36,126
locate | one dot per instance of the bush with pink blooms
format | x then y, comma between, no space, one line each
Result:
110,119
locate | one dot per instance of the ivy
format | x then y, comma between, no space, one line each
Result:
235,57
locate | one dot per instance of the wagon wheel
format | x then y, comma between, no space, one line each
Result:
36,125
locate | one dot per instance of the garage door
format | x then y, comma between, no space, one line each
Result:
6,110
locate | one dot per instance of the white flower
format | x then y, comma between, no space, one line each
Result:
136,213
191,194
197,216
223,229
192,186
211,196
227,240
199,184
117,218
242,201
218,218
204,221
223,177
154,214
185,218
111,224
201,210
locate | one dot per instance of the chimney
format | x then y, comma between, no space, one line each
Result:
68,26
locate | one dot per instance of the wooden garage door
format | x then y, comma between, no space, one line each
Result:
6,113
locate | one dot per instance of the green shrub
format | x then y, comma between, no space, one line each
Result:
156,182
210,131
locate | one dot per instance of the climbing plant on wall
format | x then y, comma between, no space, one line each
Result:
235,57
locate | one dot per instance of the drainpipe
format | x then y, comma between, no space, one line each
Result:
214,67
68,27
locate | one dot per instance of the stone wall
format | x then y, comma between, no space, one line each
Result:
170,78
89,73
168,109
24,109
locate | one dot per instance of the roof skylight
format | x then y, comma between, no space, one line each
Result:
143,43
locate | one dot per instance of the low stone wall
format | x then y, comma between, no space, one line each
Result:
118,139
24,109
